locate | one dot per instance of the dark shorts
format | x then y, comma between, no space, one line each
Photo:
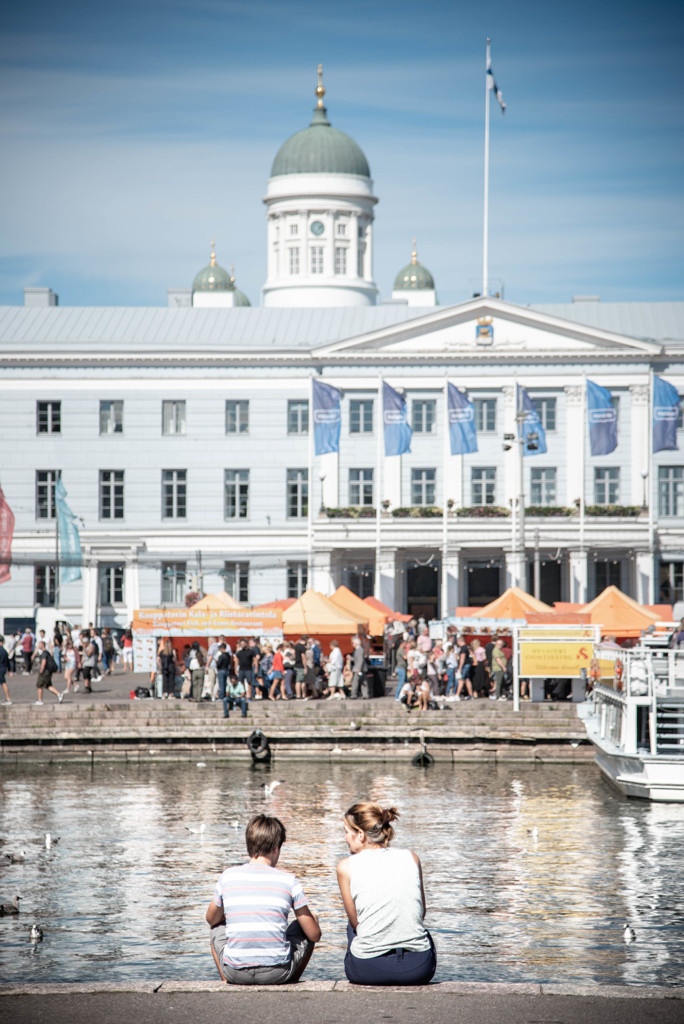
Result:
44,680
277,974
398,967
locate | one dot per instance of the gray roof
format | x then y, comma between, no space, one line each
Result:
648,321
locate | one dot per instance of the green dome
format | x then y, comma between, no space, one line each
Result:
239,298
212,278
320,149
413,276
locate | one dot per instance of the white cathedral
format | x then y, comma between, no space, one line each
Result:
182,433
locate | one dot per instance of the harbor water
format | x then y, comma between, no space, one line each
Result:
531,872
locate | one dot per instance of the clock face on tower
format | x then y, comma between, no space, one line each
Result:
317,228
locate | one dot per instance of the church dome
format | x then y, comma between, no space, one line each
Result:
320,148
239,298
414,276
212,278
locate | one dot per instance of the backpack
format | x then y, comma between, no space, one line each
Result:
50,663
107,643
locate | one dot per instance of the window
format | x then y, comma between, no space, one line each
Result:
174,493
111,584
543,486
485,415
545,409
341,229
298,417
360,486
236,494
48,417
294,260
173,582
297,579
671,580
360,580
316,259
45,493
173,418
111,494
423,486
294,230
340,260
236,576
297,493
671,490
361,416
237,417
44,585
606,485
483,486
423,418
111,417
608,574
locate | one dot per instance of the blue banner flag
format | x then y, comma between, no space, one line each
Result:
602,417
531,424
666,401
395,422
462,433
69,540
326,417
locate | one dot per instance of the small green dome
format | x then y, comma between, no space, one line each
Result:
414,276
239,298
212,278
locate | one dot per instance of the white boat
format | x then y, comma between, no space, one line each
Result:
636,722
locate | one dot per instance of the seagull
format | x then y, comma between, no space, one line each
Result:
534,832
629,935
50,840
10,908
354,726
235,824
16,858
196,831
270,787
36,933
201,764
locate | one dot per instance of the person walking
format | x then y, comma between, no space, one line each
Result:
46,667
4,670
384,898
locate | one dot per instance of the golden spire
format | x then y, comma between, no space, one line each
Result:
232,273
212,261
320,91
414,254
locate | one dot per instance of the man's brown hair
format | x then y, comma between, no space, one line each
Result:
264,835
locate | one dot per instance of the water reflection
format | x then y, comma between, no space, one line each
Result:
531,871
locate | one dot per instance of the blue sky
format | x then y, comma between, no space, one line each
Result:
135,132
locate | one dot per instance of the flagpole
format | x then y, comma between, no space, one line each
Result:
445,511
310,505
583,455
380,420
651,510
485,242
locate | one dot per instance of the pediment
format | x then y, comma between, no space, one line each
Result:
487,328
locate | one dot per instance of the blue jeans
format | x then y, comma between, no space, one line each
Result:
401,679
230,702
398,967
222,676
451,680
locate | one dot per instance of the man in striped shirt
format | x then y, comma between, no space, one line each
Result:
250,939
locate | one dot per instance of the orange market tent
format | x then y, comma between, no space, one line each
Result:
378,606
513,604
618,614
283,603
349,602
315,614
216,602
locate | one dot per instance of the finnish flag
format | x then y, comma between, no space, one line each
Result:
491,82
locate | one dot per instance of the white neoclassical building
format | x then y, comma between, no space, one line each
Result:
181,433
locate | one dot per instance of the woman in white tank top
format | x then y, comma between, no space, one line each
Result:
383,895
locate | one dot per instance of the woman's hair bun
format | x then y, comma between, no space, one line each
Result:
389,814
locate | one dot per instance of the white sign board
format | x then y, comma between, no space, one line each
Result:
144,653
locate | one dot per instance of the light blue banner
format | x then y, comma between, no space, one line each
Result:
531,424
326,418
70,557
602,418
398,432
462,432
666,401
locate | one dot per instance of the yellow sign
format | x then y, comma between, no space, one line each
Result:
208,622
556,633
555,660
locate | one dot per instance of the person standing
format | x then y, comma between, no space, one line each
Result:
4,670
128,650
359,681
300,666
401,667
244,667
108,653
46,667
28,641
251,941
335,668
196,667
90,656
167,667
499,665
223,663
383,895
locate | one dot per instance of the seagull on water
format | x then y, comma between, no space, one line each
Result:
629,935
270,787
50,840
36,933
10,908
235,824
16,858
196,831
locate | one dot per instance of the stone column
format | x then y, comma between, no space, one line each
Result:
644,577
353,254
132,588
515,569
386,574
579,577
322,575
452,567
